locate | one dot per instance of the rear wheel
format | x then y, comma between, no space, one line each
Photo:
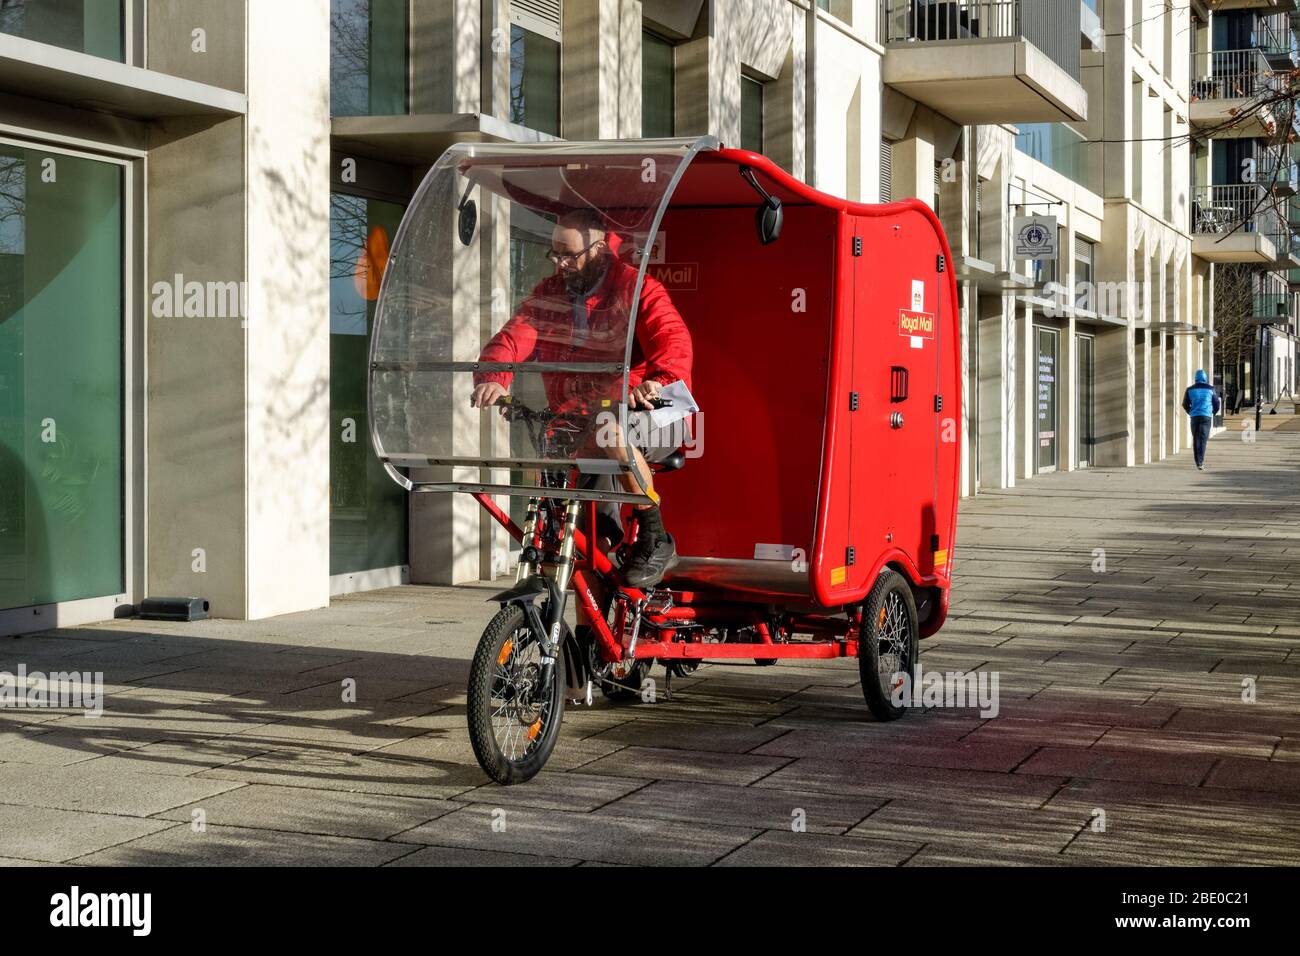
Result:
514,721
887,644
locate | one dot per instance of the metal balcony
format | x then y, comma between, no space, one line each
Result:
1239,224
1230,89
987,61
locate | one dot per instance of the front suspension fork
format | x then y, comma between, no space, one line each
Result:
552,629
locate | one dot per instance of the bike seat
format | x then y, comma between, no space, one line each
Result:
673,462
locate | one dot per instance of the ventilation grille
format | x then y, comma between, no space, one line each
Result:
539,16
886,171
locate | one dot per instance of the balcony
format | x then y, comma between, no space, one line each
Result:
1282,176
1230,94
987,61
1277,40
1239,224
1264,6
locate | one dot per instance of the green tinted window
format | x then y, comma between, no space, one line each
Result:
656,86
61,500
751,114
367,508
86,26
534,81
368,57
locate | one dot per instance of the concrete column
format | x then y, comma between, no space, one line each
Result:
447,55
287,392
601,69
238,404
912,171
968,414
996,371
1027,398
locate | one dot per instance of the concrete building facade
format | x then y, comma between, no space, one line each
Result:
211,189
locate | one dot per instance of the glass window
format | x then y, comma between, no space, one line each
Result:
86,26
367,508
751,114
368,57
1083,272
534,81
61,466
657,86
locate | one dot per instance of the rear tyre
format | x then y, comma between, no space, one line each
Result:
513,722
887,644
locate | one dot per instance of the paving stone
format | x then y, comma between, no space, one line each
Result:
782,848
596,836
661,764
556,791
446,856
238,846
359,773
45,835
301,810
86,786
753,806
1185,769
1008,829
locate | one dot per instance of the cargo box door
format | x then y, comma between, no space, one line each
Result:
897,344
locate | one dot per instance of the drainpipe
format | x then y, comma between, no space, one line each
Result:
810,98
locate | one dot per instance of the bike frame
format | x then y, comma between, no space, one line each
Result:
580,563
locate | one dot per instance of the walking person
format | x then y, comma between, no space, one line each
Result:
1201,403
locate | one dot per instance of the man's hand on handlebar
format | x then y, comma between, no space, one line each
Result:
487,394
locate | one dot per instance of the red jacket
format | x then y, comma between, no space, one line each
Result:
543,331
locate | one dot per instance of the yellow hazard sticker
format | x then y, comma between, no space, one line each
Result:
941,558
838,574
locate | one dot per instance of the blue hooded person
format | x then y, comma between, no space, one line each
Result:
1201,403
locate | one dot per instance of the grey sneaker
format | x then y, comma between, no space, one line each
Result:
651,559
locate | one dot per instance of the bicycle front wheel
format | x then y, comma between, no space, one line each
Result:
514,720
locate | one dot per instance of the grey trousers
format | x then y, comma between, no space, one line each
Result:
655,445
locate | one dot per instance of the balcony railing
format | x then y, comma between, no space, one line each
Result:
1050,25
1280,175
1276,38
1223,210
1231,74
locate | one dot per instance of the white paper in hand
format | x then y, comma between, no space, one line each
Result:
683,404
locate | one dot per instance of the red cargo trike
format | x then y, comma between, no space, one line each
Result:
814,517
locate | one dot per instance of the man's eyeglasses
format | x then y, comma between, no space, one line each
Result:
570,258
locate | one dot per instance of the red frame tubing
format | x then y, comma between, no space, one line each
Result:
703,650
612,650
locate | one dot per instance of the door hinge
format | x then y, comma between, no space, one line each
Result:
934,542
857,245
938,403
853,401
849,556
942,262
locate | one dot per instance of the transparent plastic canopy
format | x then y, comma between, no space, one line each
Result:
472,295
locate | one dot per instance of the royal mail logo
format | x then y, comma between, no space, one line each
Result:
679,275
920,324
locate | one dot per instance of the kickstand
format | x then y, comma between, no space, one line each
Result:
668,683
588,691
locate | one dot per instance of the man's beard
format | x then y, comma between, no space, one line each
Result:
584,280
